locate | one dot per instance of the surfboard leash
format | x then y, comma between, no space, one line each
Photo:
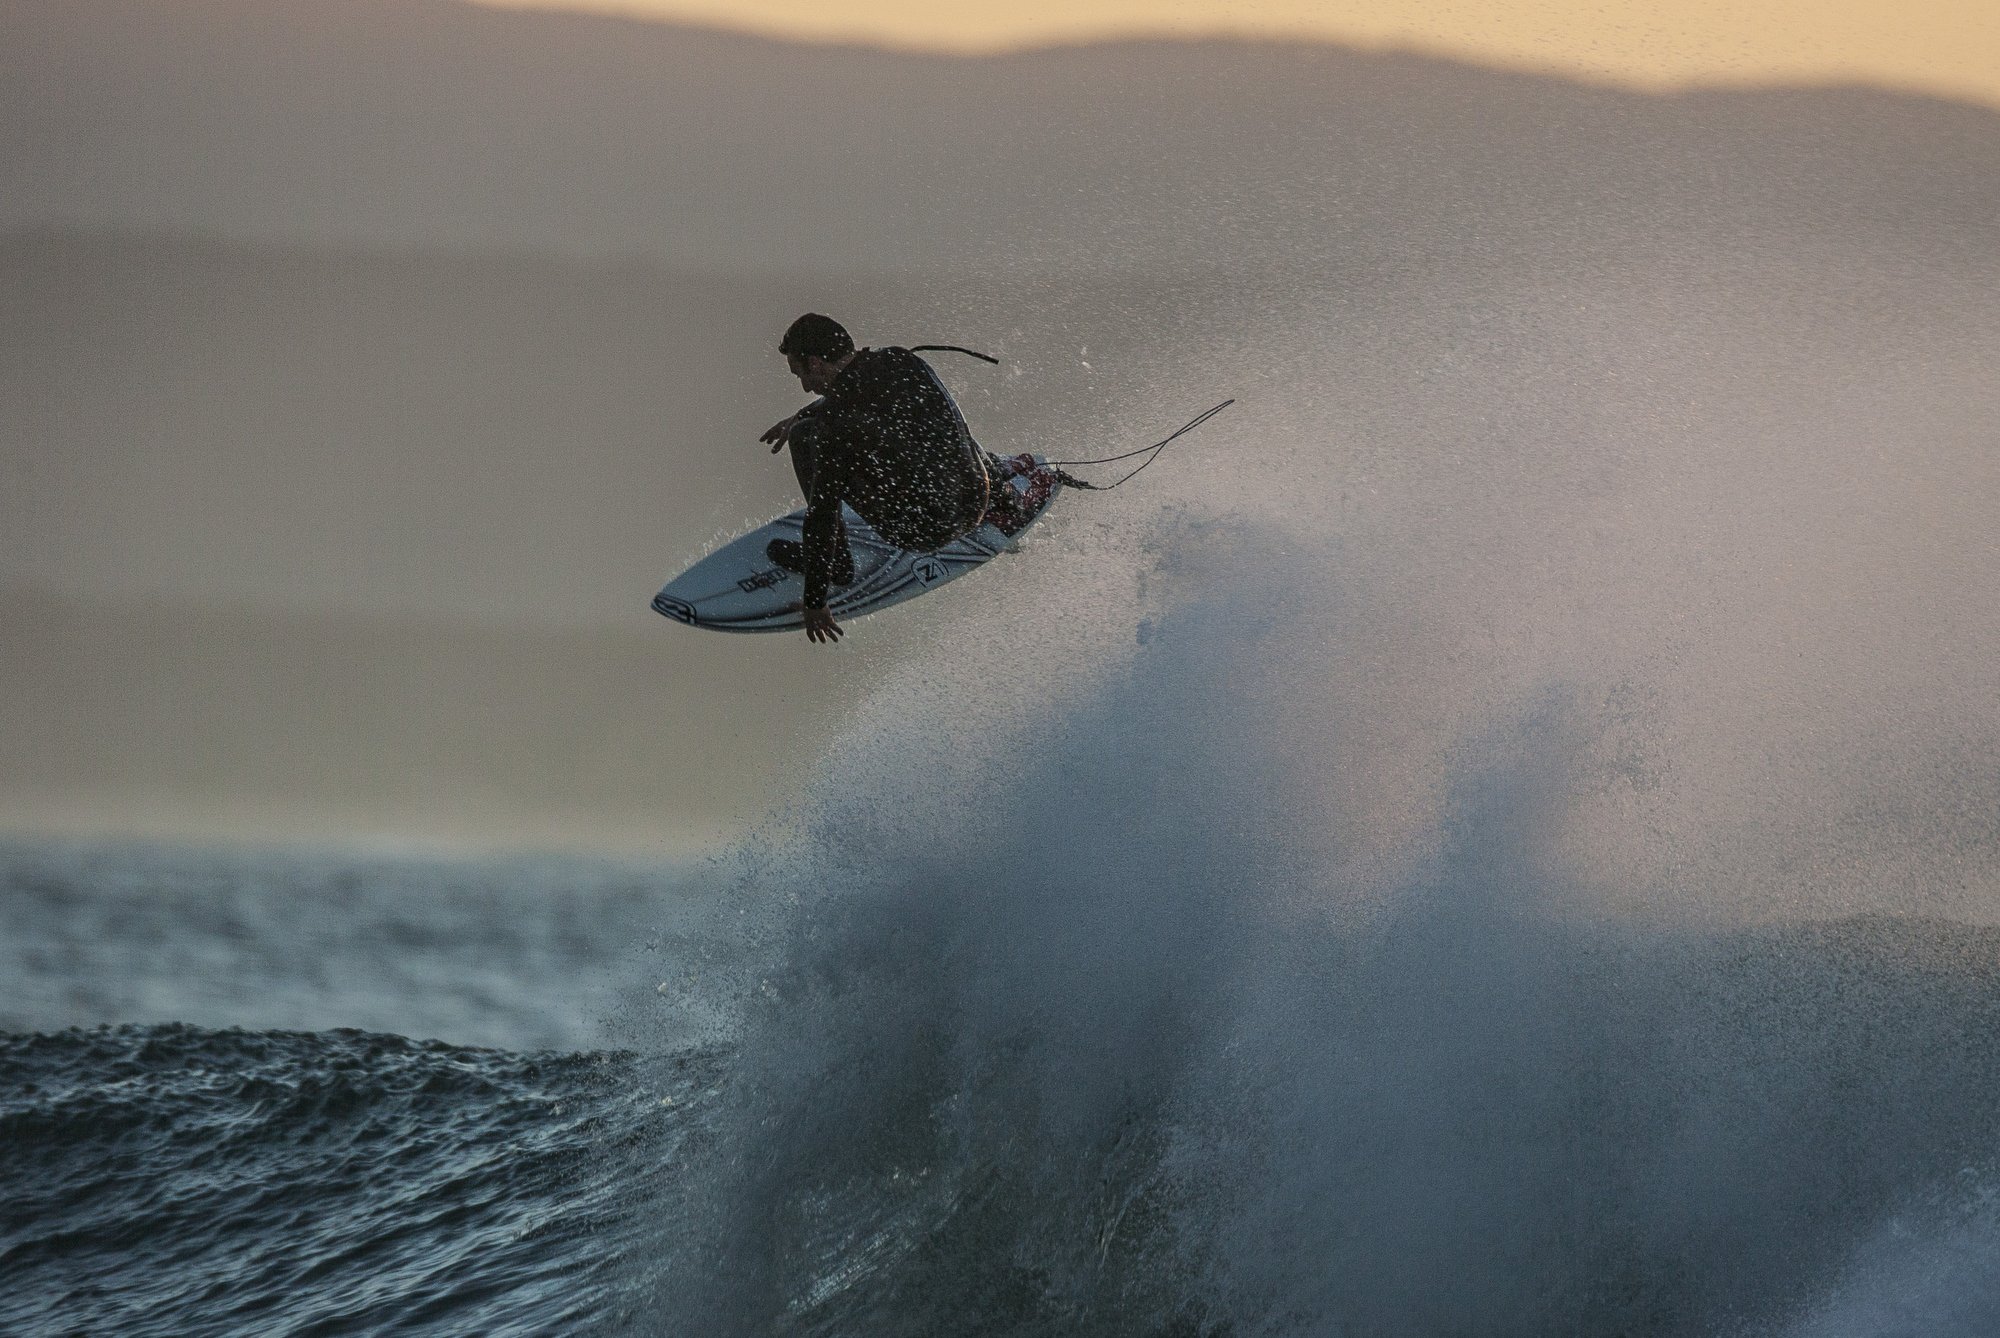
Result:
953,348
1071,481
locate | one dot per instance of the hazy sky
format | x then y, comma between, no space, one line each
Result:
1950,47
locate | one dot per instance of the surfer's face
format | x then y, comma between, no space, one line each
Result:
815,374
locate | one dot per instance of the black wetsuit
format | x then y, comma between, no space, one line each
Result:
887,440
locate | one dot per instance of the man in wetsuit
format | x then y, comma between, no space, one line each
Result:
885,438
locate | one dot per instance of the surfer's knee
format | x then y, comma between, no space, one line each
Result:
806,432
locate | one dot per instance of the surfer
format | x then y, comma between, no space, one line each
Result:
884,437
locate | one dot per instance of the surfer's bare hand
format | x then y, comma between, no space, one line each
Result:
820,627
778,434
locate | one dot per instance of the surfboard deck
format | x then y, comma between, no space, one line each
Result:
737,588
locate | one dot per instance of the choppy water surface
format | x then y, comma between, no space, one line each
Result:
168,1180
279,1159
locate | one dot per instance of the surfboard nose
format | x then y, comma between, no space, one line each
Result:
678,609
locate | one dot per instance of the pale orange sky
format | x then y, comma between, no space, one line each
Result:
1947,47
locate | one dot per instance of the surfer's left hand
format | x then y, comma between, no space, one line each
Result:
820,627
778,434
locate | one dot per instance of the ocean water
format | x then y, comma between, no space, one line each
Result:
286,1092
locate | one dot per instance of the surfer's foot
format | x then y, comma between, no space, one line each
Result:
791,555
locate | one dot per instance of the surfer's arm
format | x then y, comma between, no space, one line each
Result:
780,432
820,536
823,532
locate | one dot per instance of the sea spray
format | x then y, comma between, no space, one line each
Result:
1125,1007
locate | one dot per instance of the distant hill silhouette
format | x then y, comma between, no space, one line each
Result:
436,124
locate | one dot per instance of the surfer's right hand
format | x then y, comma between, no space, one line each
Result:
779,433
821,629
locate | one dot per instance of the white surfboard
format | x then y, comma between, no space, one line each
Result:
737,588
